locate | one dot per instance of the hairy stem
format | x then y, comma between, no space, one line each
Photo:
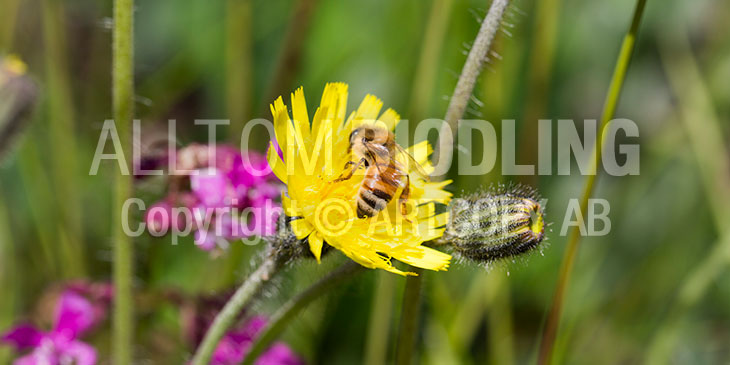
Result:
279,320
465,85
609,107
123,105
272,264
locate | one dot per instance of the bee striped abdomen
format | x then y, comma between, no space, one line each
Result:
377,189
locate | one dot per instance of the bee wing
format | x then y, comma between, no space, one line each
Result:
378,151
419,168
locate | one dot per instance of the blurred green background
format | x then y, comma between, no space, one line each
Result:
230,58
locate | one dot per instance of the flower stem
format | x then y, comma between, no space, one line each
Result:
279,320
376,345
123,105
409,318
614,92
468,78
271,265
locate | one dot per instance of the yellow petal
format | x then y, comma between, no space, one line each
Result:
277,165
390,118
433,191
281,120
424,257
301,228
369,108
290,207
299,112
420,152
315,245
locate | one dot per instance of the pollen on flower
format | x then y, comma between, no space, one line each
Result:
350,186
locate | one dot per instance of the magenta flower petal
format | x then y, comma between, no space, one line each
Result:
205,240
159,216
211,187
254,326
230,350
23,337
80,353
36,358
226,158
74,315
279,354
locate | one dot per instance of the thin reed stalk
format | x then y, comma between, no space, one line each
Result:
289,59
376,344
30,170
8,278
542,55
238,65
428,61
123,111
609,108
60,115
7,26
408,331
702,126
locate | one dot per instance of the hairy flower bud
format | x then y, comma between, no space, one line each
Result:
491,225
285,243
17,95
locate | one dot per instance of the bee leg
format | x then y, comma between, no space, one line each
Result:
403,199
351,172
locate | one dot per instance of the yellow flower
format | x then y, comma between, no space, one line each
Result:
323,209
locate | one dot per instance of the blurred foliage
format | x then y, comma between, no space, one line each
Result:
56,222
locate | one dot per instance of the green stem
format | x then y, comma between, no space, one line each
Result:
60,116
542,56
238,65
123,105
614,92
376,346
409,318
285,313
7,271
271,265
702,125
291,52
426,71
500,345
468,78
7,26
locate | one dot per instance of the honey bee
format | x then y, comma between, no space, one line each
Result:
374,147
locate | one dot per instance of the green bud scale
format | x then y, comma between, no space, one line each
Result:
492,225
